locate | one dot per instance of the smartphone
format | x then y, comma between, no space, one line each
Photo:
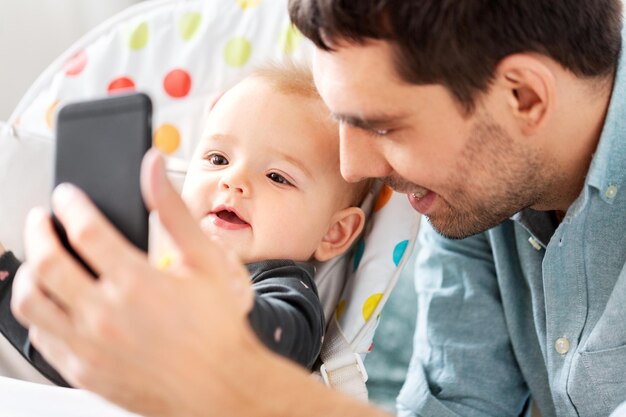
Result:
99,148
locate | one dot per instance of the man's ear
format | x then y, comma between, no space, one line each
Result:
531,85
346,226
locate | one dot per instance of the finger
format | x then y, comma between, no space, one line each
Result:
57,351
183,230
50,268
238,278
91,234
31,306
51,347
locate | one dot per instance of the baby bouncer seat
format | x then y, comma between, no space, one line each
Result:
182,53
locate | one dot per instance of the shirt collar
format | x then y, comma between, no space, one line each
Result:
540,224
607,171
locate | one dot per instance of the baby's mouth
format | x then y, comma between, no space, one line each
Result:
230,217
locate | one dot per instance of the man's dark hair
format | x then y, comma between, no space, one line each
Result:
458,43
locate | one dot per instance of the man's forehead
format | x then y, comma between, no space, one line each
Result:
352,54
357,94
355,72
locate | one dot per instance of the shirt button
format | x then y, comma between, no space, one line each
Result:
561,345
611,191
533,242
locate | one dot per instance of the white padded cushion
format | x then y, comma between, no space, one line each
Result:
25,181
182,53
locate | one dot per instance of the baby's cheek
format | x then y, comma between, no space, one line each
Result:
191,200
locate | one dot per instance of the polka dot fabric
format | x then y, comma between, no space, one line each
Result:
177,52
182,53
376,262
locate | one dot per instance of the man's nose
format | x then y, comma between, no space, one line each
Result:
360,156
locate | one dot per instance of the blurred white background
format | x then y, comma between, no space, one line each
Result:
34,32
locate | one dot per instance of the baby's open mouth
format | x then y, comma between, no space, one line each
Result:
230,217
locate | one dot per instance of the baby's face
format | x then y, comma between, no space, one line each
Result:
265,178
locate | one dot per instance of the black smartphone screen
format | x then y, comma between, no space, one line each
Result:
99,148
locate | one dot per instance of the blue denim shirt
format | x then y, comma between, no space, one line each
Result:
530,307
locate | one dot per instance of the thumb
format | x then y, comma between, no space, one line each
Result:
194,247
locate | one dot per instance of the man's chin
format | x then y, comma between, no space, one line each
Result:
459,228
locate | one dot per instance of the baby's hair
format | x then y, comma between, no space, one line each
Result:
288,77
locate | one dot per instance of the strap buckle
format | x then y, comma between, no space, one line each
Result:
358,363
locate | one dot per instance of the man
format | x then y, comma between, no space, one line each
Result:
481,112
484,111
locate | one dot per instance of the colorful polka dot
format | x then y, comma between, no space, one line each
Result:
290,39
121,84
4,275
246,4
369,349
358,254
278,334
398,251
177,83
237,52
188,25
138,38
167,138
76,64
51,113
341,308
370,305
383,197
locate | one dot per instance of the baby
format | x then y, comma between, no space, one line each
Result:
265,181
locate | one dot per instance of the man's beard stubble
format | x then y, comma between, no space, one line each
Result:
494,178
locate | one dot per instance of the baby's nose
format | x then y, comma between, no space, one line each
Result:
237,189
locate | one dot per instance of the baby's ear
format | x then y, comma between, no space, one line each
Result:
346,226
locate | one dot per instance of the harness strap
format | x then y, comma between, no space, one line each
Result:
342,369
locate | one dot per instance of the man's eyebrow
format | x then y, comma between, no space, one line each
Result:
369,122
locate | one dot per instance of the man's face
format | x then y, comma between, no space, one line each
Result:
466,173
265,177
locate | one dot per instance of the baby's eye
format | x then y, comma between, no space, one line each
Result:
216,159
278,178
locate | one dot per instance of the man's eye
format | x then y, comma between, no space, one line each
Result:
216,159
278,178
377,132
381,132
372,131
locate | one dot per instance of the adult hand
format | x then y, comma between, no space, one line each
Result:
152,341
